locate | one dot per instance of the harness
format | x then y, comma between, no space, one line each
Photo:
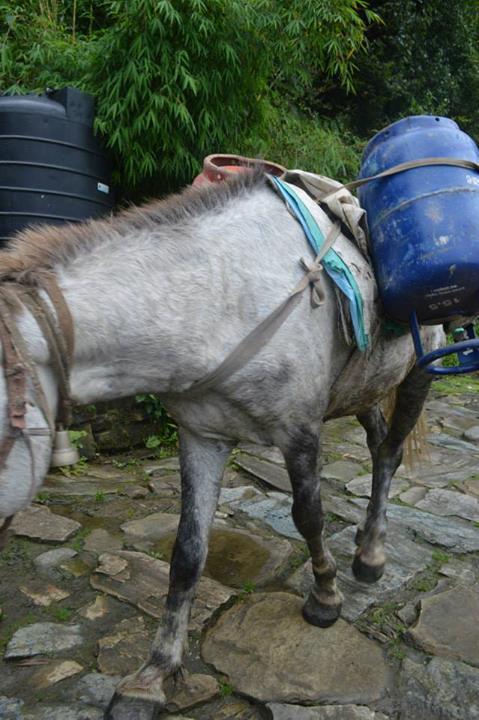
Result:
324,259
55,322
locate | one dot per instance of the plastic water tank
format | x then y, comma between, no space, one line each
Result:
52,167
424,223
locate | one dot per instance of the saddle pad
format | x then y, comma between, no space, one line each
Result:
347,267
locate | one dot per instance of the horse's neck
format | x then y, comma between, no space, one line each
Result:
125,316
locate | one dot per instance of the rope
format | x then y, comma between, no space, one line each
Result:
412,165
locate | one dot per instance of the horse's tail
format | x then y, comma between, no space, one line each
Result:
416,446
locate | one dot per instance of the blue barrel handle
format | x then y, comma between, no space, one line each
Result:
449,350
425,360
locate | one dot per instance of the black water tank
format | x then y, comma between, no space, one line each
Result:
52,167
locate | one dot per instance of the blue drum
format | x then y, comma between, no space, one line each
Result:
423,222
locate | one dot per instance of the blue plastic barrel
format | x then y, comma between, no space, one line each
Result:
424,222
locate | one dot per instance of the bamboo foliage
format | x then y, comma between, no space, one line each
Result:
178,79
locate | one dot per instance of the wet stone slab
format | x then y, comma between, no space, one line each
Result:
413,495
448,625
341,470
43,595
458,536
261,642
449,502
81,487
143,581
39,523
464,573
11,709
190,690
439,689
100,541
42,639
452,443
274,512
167,465
236,557
166,485
125,648
95,689
472,434
361,486
48,563
232,496
471,487
270,453
268,472
150,528
55,673
63,712
325,712
406,559
97,609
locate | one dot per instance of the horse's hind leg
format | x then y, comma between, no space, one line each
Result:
386,449
202,464
323,605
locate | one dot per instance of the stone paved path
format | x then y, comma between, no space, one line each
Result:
84,577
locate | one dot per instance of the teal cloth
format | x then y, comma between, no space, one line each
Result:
334,266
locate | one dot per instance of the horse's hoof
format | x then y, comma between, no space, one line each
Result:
319,614
366,573
146,684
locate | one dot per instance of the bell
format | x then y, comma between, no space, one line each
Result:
63,451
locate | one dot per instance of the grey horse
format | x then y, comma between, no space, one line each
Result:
160,295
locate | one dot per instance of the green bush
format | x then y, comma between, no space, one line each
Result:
302,140
175,81
423,59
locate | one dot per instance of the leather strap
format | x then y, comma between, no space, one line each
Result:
262,333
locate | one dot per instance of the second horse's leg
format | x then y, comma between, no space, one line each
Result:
323,605
386,449
202,464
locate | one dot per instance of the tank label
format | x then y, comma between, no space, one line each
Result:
103,188
444,302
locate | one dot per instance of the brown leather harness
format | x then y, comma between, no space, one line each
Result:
40,295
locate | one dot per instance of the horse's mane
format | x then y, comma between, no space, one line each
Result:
43,247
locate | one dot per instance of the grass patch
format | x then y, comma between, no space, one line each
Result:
62,614
225,688
456,385
386,620
427,581
80,468
79,539
7,631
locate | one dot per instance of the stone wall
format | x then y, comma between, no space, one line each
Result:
113,426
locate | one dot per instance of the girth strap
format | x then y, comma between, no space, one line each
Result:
262,333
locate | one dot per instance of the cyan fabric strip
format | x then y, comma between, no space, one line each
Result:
335,266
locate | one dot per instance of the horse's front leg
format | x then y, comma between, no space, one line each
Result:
386,450
323,605
202,463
